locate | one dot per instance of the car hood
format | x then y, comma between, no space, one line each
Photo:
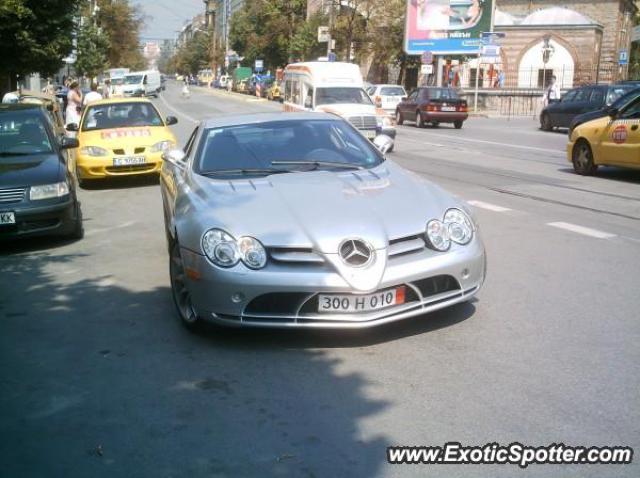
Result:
22,171
127,138
318,210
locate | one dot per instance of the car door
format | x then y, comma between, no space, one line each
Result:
620,140
171,176
580,104
408,107
556,110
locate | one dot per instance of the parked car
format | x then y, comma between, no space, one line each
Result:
298,220
386,97
121,137
612,140
581,100
273,92
433,105
602,112
37,191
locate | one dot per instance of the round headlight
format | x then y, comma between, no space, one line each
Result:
438,235
459,225
252,252
220,248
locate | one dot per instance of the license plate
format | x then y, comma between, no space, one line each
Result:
7,218
369,133
360,303
448,108
128,160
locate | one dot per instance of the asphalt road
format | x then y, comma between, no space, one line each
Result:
98,378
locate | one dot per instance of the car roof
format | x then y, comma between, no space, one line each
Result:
254,118
115,101
20,106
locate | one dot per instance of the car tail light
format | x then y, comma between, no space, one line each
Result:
462,107
431,107
378,102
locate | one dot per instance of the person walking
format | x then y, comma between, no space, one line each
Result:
552,93
106,89
93,95
74,103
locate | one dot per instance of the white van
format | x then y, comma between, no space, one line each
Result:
142,83
335,87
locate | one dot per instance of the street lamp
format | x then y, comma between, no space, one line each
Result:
547,53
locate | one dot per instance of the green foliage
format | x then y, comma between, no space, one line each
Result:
121,23
194,54
36,35
92,49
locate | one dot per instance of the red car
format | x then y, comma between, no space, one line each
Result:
432,105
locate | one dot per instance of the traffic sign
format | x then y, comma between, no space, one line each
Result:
623,57
635,34
426,69
427,57
259,65
323,34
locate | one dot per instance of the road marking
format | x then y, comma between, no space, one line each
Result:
106,229
489,206
176,111
423,143
587,231
495,143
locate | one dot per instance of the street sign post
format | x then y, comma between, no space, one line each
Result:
427,57
623,57
323,34
259,65
489,47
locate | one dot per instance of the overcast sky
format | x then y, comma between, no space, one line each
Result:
163,17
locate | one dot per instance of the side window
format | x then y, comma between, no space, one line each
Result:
597,96
307,90
413,95
569,97
287,90
295,92
582,95
631,112
189,146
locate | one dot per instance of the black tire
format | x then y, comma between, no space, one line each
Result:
180,293
399,118
435,124
545,122
458,124
77,232
419,120
582,159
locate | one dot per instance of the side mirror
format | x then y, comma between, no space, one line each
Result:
175,157
308,102
72,127
171,120
69,143
611,111
384,143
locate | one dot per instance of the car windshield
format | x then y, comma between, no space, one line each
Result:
618,91
392,91
120,115
133,79
22,133
442,94
330,96
290,145
117,81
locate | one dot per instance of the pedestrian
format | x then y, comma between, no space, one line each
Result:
552,93
49,89
106,89
93,95
74,103
501,79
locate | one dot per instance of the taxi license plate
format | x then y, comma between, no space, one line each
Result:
128,160
369,133
360,303
448,108
7,218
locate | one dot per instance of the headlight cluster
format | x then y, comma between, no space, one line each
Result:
225,251
162,146
48,191
94,151
455,226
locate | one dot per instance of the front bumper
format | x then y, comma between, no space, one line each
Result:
286,297
90,167
54,218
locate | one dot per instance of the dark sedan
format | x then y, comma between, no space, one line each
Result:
37,191
581,100
602,112
434,106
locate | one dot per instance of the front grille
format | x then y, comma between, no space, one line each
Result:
295,255
118,151
11,195
406,245
138,150
363,122
437,285
279,303
130,169
40,224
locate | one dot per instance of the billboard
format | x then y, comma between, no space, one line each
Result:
446,26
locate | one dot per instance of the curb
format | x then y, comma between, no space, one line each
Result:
231,94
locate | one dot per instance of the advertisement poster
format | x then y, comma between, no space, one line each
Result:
446,26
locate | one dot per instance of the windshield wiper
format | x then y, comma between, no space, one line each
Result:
319,164
223,172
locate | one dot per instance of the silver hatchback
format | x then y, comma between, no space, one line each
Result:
297,220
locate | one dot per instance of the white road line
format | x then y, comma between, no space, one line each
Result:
488,206
176,111
423,143
495,143
106,229
587,231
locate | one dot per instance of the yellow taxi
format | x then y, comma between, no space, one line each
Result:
121,137
613,140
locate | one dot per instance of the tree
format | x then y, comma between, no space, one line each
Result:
122,23
194,54
36,35
92,49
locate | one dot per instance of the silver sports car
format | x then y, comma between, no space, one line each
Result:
297,220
